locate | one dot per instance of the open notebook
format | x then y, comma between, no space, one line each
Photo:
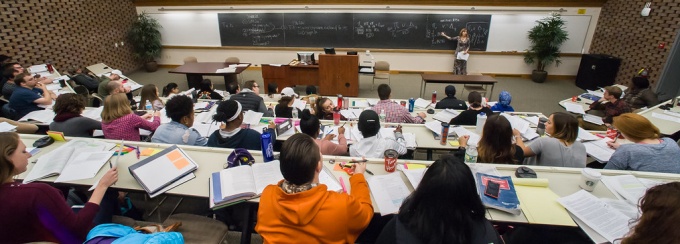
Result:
68,159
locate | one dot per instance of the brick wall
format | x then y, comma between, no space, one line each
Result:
67,32
623,33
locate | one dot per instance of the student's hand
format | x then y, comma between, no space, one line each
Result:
329,137
109,178
127,89
41,86
45,80
516,133
422,115
613,145
147,116
341,130
271,125
463,140
359,167
398,129
157,114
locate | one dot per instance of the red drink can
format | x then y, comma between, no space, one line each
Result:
573,99
391,156
336,117
612,133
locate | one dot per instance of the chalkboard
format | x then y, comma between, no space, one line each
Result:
360,30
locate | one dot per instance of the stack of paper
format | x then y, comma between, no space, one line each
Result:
574,108
388,191
43,116
7,127
421,103
599,149
593,119
414,173
628,187
95,113
539,203
584,135
666,117
252,118
226,70
461,131
446,115
351,114
604,219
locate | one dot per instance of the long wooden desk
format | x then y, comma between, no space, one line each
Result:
196,71
563,181
334,74
457,79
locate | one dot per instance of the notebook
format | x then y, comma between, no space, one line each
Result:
55,162
163,169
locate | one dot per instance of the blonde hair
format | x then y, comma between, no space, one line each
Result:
115,106
9,142
635,127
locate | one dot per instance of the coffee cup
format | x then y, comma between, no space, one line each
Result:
589,179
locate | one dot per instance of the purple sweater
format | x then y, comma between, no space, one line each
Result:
38,212
127,127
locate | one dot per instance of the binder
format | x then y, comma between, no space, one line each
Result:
162,169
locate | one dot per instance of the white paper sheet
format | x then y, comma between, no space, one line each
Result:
300,104
628,187
445,115
593,119
252,118
421,103
84,166
584,135
462,56
7,127
574,108
599,149
461,131
414,176
605,220
388,191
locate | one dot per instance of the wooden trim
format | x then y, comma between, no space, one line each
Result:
509,53
395,72
513,3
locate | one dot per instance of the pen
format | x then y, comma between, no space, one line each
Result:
138,152
120,152
617,136
342,184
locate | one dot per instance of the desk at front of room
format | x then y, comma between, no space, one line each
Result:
563,181
334,74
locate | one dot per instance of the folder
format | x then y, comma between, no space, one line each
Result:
162,169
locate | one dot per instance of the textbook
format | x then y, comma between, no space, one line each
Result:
45,116
162,169
237,184
507,196
66,158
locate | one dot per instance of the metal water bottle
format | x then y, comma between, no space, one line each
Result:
434,96
267,147
445,133
411,104
339,101
540,128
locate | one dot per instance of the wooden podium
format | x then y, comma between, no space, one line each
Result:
335,74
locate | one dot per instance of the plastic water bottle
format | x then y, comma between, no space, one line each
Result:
481,120
411,104
383,116
295,113
267,147
148,105
471,154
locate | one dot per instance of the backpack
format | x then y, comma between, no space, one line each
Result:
238,157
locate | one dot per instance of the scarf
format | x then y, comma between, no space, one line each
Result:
65,116
291,188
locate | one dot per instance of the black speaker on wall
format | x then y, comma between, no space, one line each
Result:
597,70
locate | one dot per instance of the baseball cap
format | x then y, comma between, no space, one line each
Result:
369,120
288,92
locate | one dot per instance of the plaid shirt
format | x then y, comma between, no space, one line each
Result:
612,110
396,113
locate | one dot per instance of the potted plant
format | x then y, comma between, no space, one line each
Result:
546,38
145,37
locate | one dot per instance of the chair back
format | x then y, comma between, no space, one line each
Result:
232,60
98,101
382,66
190,60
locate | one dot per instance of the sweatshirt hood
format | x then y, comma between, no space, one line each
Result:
299,208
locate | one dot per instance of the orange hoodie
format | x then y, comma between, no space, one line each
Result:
316,215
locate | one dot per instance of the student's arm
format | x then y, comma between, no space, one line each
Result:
263,109
407,118
617,161
341,147
47,95
158,105
400,143
359,208
528,151
150,126
200,140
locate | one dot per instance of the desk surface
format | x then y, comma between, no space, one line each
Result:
448,78
206,68
665,126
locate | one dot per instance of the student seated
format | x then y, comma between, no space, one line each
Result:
285,107
37,212
612,106
119,122
273,94
503,104
640,94
28,94
22,128
469,117
230,134
394,112
496,143
88,80
659,216
374,145
250,99
450,101
445,208
207,92
325,109
170,89
104,90
9,73
648,152
69,120
150,93
181,110
300,210
560,149
310,125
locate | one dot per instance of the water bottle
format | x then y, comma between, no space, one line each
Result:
148,105
383,116
295,113
434,96
445,133
481,120
471,154
411,104
340,101
540,129
267,147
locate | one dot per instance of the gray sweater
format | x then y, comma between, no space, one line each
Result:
662,158
551,152
78,126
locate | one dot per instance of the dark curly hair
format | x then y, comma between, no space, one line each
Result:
178,107
69,103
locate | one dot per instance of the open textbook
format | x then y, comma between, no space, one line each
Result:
446,115
83,156
44,116
245,182
521,125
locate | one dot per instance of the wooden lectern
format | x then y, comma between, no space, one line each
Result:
339,74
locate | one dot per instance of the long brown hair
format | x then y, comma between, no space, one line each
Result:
636,127
565,127
660,216
149,93
496,143
115,106
9,142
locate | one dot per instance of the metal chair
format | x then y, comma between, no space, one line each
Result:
83,92
190,60
382,72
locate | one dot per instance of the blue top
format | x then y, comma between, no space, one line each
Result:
662,158
22,100
498,107
176,133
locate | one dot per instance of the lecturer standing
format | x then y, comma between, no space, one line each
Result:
460,66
